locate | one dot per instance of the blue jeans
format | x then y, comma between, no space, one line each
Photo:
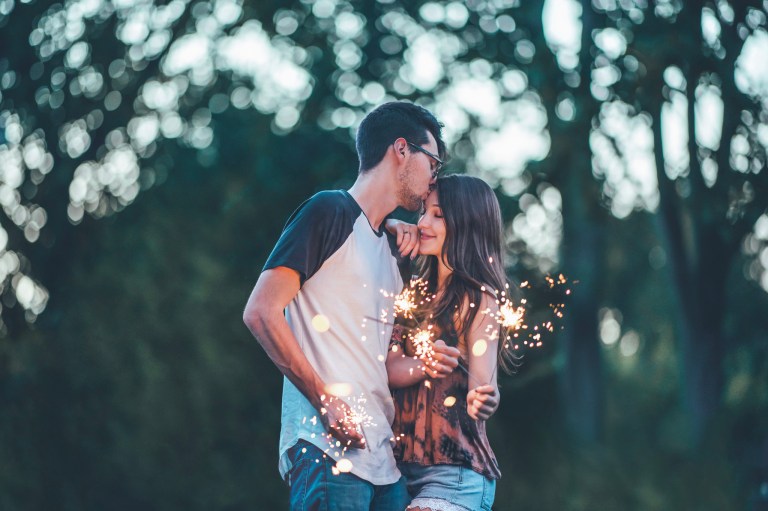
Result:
314,487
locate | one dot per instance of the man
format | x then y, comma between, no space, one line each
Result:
334,271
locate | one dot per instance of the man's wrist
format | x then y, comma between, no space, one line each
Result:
318,398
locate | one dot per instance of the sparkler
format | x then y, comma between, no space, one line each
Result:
513,318
423,347
422,343
406,302
509,316
355,418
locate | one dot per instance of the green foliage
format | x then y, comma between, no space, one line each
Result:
132,383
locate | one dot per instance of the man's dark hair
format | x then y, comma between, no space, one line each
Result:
390,121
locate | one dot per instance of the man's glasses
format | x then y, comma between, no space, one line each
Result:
439,162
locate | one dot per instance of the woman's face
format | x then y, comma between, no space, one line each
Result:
431,227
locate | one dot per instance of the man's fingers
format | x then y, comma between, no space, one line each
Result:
485,394
415,249
482,402
485,389
484,398
334,418
347,437
489,395
403,236
482,416
407,240
484,412
485,407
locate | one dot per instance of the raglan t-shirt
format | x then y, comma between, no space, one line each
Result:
349,274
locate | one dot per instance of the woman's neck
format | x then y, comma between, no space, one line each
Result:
443,272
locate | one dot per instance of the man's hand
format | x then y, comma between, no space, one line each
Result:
482,402
443,361
340,421
407,237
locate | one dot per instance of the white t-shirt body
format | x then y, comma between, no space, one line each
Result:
340,318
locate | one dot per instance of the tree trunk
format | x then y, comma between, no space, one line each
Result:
581,251
699,262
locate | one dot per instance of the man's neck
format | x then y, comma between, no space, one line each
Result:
375,196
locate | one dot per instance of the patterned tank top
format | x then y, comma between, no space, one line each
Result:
432,426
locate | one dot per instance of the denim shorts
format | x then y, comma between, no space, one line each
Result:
448,487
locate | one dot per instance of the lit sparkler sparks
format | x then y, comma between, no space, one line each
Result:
422,343
511,317
407,302
356,416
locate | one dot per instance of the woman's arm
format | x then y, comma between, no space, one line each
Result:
482,343
404,371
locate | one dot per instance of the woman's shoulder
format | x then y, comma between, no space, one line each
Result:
489,300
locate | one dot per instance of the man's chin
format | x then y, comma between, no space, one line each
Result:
414,206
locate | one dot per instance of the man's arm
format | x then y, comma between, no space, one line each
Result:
407,244
265,319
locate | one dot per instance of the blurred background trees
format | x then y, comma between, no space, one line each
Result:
150,153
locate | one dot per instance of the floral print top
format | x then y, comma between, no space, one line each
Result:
432,425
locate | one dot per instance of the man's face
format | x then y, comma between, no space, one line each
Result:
417,176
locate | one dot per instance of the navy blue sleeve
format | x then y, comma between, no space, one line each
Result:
403,263
317,229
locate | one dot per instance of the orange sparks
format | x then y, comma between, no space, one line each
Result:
422,343
510,316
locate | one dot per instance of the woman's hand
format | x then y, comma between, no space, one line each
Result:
443,361
482,402
407,236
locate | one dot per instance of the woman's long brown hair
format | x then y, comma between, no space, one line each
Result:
473,250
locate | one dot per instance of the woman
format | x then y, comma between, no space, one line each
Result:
441,443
